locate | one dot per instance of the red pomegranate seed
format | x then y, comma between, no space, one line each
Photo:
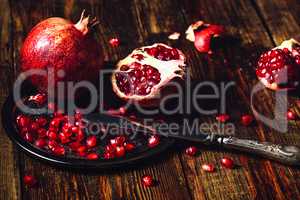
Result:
290,115
117,141
163,53
147,181
41,143
92,156
52,135
91,141
74,146
55,122
23,121
153,141
29,180
120,151
108,155
58,150
34,126
64,138
81,150
246,119
129,147
52,144
227,162
42,121
75,129
80,135
208,167
28,137
42,132
114,42
191,151
222,118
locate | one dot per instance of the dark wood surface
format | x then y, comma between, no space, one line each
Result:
259,24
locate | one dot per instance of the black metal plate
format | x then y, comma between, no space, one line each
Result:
131,159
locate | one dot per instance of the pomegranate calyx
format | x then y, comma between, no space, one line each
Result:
288,44
84,23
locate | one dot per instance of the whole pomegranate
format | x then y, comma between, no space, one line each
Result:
145,73
58,44
279,68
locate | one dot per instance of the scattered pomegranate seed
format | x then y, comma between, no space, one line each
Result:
208,167
41,143
191,151
246,119
129,146
29,180
92,156
120,151
114,42
222,118
153,141
290,115
147,181
91,141
227,162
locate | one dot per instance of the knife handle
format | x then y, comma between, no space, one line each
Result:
285,154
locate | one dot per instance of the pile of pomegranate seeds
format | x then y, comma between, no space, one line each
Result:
139,80
147,181
222,118
191,151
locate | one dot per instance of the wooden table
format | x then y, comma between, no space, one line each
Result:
259,24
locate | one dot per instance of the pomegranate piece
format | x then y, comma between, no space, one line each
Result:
114,42
58,44
146,71
153,141
208,167
147,181
246,119
29,180
227,162
191,151
222,118
202,34
279,68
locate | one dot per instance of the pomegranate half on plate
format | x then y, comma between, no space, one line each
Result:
146,72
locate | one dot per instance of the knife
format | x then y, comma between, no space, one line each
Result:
285,154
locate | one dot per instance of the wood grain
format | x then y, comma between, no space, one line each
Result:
259,24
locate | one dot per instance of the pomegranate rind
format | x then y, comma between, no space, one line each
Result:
169,70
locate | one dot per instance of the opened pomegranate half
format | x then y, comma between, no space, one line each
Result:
143,74
279,68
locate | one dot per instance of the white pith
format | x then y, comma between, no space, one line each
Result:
190,35
166,69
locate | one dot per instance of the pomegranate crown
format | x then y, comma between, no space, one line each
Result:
84,23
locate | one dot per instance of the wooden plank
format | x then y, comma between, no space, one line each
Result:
255,178
9,171
124,184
